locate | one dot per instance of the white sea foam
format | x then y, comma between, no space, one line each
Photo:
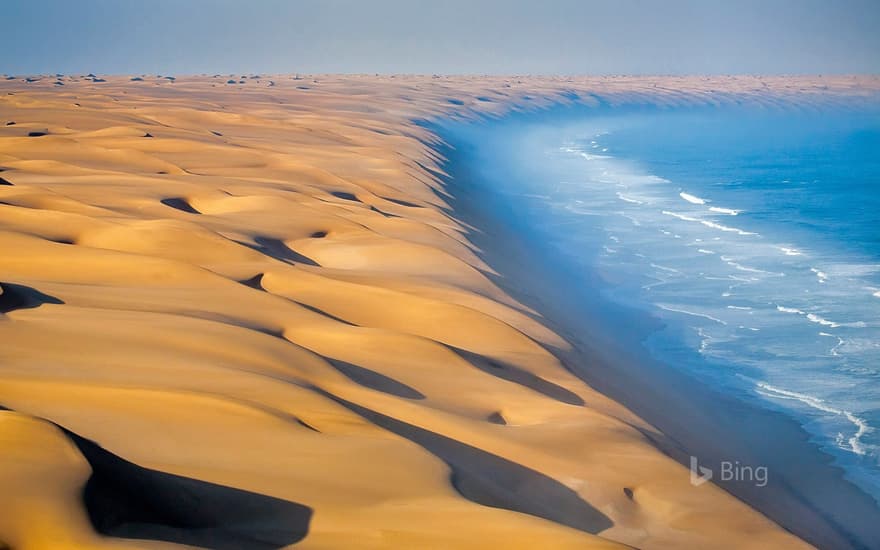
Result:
821,275
738,266
691,198
681,216
818,319
588,156
650,178
853,443
727,211
744,308
624,198
693,313
662,268
704,251
634,221
790,251
822,321
704,340
736,230
840,342
708,223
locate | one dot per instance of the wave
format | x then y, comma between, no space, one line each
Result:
589,156
810,316
693,313
691,198
822,321
633,220
624,198
854,442
709,223
729,261
820,275
791,251
728,211
818,319
669,269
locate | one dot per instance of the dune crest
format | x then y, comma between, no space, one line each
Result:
255,296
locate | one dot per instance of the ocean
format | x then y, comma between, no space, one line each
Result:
752,235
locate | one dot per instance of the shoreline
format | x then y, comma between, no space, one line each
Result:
805,493
258,292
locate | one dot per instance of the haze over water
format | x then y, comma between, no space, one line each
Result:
751,234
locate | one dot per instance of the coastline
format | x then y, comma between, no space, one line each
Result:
257,294
806,494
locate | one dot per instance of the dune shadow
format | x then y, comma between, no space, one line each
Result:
402,202
5,182
374,380
275,248
514,374
386,214
23,297
255,282
320,311
179,204
345,196
129,501
125,500
491,480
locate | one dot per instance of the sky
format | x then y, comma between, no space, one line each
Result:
443,36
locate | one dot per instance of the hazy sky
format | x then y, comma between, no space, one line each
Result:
442,36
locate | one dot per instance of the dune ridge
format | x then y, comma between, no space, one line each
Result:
252,293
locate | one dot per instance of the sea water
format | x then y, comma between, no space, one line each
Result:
752,234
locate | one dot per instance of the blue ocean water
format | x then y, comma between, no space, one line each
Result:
752,234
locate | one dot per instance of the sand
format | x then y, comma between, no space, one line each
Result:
244,316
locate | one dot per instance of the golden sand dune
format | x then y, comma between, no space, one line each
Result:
243,316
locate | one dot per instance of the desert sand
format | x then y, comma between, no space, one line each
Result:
237,312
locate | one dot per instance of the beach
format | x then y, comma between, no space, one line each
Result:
257,311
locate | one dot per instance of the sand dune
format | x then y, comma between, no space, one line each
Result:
242,315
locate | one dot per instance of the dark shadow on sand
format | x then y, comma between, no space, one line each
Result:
375,381
128,501
275,248
125,500
179,204
491,480
23,297
524,378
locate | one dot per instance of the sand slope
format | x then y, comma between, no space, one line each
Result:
241,316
